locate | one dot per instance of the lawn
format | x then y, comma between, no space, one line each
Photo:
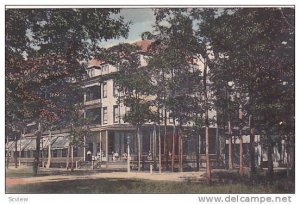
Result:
121,186
223,182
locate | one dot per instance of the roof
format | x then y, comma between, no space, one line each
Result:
142,44
31,145
9,145
95,63
22,144
60,143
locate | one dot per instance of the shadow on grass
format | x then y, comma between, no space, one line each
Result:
280,181
128,186
223,181
27,172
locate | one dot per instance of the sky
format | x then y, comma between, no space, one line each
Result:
142,20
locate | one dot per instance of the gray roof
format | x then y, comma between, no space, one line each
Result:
60,143
10,145
22,144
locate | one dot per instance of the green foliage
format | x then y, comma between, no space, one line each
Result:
177,81
45,49
134,81
77,135
254,48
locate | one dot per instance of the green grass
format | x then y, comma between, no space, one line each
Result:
27,172
124,186
223,182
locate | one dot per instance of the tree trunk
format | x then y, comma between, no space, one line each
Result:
139,148
16,151
72,158
68,157
241,167
37,151
49,150
159,150
230,164
218,149
208,168
270,160
165,136
252,149
173,146
198,152
7,153
180,145
290,158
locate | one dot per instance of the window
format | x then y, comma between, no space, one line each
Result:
59,153
171,117
104,115
115,89
45,153
64,153
54,153
93,93
32,153
104,89
116,114
23,154
93,116
75,151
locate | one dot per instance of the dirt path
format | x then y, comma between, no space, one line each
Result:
193,176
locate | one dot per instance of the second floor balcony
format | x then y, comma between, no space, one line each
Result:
93,102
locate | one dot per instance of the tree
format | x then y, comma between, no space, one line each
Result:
172,63
259,46
43,60
134,81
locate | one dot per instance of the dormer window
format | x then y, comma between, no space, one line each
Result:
105,68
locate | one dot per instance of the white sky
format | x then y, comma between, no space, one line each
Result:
142,20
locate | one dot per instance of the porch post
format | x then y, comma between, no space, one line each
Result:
100,144
106,145
84,148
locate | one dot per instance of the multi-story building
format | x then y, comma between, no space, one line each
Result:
110,134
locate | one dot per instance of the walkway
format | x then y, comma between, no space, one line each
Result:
166,176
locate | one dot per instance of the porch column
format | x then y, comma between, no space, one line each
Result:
122,143
106,145
84,148
94,148
100,145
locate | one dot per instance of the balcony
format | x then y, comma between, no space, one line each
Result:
93,102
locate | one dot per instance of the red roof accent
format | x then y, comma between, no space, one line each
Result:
143,44
94,63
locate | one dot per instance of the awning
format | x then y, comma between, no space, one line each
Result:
30,146
60,143
21,144
10,145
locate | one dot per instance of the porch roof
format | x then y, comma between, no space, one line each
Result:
31,145
22,144
9,145
60,143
